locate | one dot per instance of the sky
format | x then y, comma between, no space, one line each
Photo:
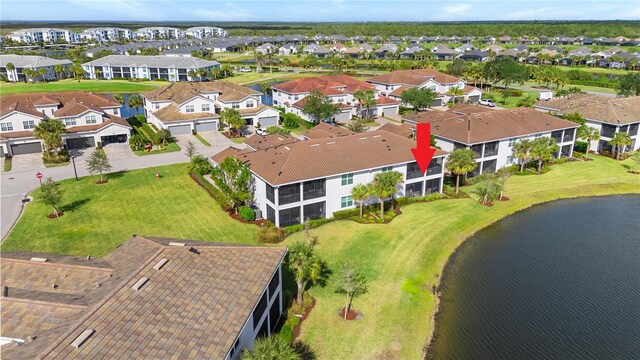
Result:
318,10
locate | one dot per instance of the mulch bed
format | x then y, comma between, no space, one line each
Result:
100,182
307,311
351,315
233,214
504,198
487,204
54,216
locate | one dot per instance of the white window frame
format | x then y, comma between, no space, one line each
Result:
512,142
347,179
6,126
386,169
91,119
206,107
156,106
346,201
249,104
28,124
70,122
189,108
235,105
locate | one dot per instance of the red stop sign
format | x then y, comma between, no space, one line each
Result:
39,175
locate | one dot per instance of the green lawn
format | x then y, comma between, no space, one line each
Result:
100,217
171,146
401,260
202,140
512,101
97,86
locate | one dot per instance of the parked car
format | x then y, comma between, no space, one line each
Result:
245,70
261,132
487,102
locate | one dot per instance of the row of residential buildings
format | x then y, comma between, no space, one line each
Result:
112,34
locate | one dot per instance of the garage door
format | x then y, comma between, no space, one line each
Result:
436,102
269,121
1,151
180,130
81,143
208,126
392,110
29,148
474,99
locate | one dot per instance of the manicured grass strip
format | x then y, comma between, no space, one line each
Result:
7,164
98,218
202,140
238,140
97,86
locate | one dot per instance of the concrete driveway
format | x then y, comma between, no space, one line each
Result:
27,162
118,151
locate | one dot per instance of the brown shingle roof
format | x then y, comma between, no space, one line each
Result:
180,92
325,131
311,159
171,113
415,77
467,109
496,125
16,134
259,142
194,306
404,129
596,107
428,116
26,102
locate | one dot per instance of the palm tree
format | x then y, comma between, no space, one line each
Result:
232,118
366,99
360,193
50,131
98,74
543,149
42,72
385,185
201,73
455,93
58,69
259,57
460,162
164,135
522,151
620,140
589,134
136,102
270,348
305,264
192,74
10,67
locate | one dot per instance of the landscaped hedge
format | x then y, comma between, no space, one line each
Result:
216,194
246,213
580,146
311,224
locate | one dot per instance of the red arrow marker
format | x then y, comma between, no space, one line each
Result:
423,153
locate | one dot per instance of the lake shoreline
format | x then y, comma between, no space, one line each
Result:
444,269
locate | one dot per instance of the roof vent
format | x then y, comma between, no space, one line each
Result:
194,250
287,148
140,283
38,259
160,264
82,338
331,142
315,145
362,138
376,136
176,244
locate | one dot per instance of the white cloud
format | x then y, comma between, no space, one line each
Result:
457,9
224,15
129,9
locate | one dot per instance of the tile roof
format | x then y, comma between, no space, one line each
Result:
413,78
318,158
324,131
181,91
259,142
340,82
495,125
404,129
172,113
467,109
193,307
78,102
596,107
428,116
6,135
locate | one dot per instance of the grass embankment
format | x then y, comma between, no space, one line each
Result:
8,162
402,260
97,218
97,86
202,140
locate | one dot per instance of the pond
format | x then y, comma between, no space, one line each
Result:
556,281
125,110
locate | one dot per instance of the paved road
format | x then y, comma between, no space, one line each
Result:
15,185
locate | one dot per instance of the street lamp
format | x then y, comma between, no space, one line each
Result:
75,171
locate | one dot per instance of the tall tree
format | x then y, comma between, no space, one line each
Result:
366,99
543,149
460,162
51,194
457,67
305,264
385,185
136,102
10,67
233,178
620,140
50,131
360,193
522,151
418,98
77,71
455,93
164,135
97,163
232,118
351,283
629,85
588,134
319,107
43,72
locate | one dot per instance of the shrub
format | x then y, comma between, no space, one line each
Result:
269,234
216,194
141,118
580,146
246,213
489,97
310,224
278,130
291,120
515,92
345,214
